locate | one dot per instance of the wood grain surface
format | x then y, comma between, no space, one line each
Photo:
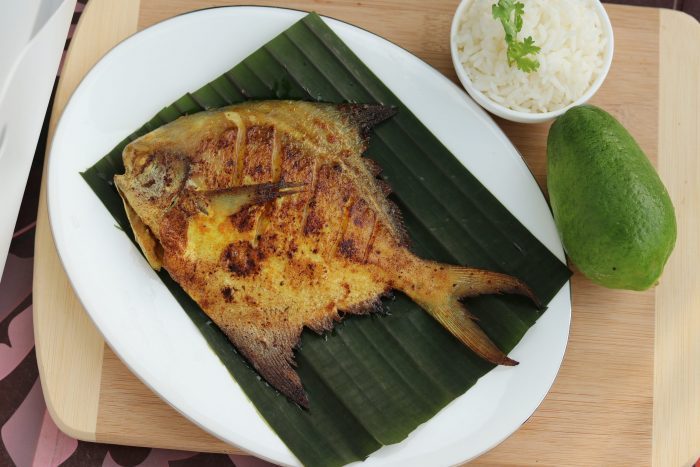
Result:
677,358
600,408
68,347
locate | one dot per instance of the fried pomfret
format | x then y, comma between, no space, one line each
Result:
269,217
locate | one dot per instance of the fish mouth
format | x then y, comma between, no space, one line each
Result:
150,245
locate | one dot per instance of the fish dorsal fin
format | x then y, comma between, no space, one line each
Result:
367,116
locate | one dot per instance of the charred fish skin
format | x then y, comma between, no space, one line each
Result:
269,217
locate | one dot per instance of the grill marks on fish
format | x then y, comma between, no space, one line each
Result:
240,145
221,156
257,164
271,220
320,209
339,245
330,194
277,155
264,156
267,159
243,155
359,232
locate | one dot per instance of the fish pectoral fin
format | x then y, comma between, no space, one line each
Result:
150,246
229,201
273,358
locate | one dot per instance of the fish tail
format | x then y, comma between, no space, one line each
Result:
441,295
470,282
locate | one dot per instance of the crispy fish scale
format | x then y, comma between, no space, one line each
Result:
269,217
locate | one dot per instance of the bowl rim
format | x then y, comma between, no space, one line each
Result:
517,115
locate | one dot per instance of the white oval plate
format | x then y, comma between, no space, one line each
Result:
140,319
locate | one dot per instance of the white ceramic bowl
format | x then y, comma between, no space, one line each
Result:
518,116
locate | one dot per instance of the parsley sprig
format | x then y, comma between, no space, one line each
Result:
510,13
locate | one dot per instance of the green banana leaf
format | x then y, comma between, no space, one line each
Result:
374,379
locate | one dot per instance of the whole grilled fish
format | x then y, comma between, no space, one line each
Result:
269,217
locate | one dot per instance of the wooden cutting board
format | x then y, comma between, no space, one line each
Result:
627,392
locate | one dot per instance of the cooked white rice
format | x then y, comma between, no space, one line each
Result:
573,43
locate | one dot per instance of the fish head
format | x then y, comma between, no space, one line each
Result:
155,176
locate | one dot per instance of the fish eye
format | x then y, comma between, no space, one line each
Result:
162,174
141,161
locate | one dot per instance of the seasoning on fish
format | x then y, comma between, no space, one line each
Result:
269,217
